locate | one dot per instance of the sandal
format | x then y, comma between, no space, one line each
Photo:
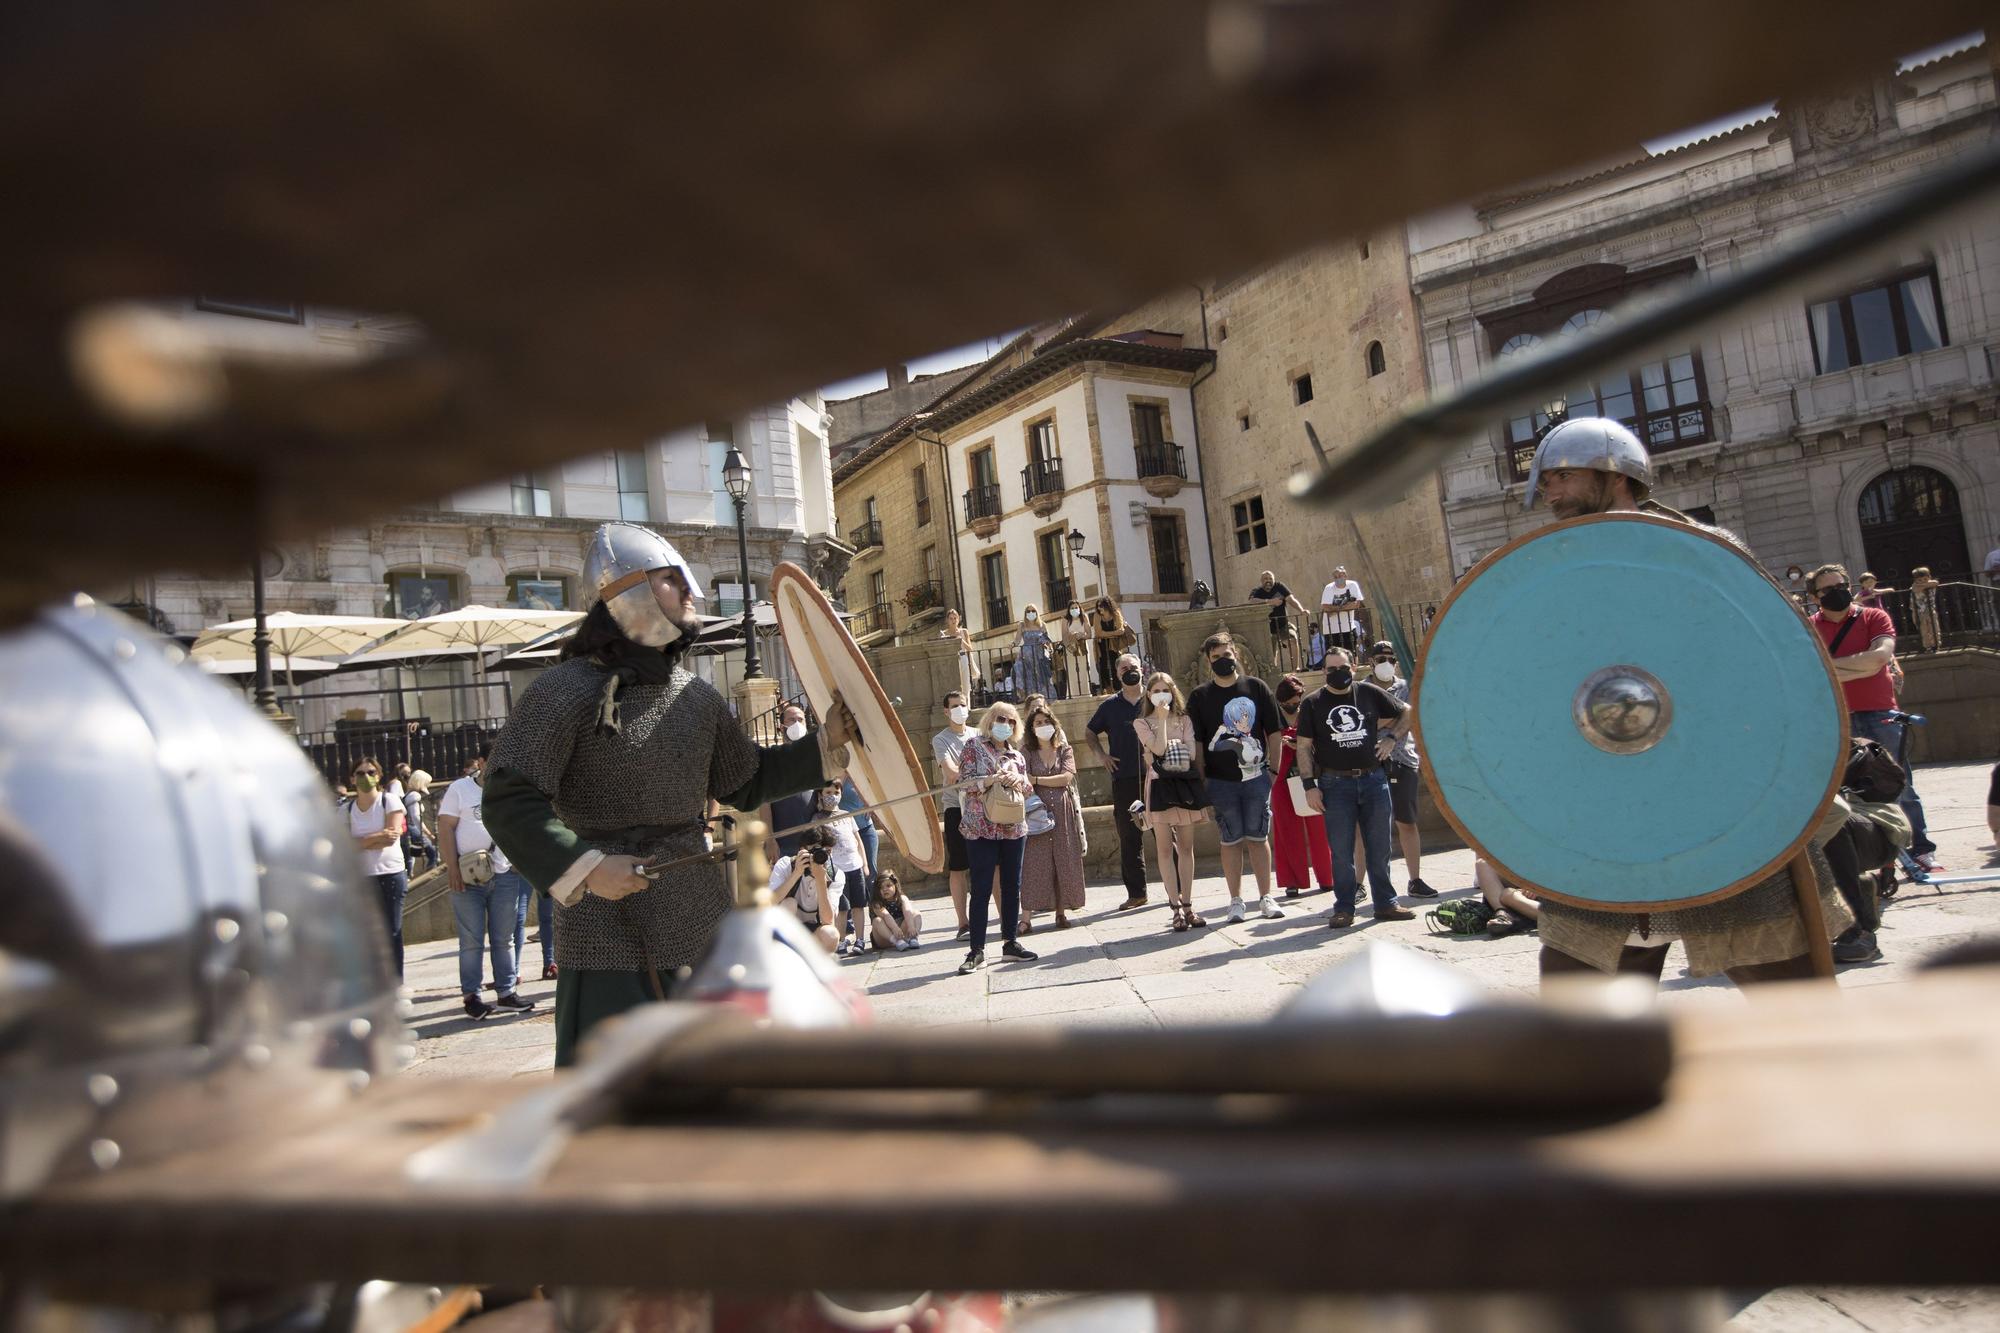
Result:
1194,918
1180,921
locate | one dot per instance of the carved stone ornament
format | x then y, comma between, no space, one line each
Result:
1840,120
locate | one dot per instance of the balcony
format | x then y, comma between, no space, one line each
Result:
922,602
1173,580
1060,594
1162,468
1662,431
998,612
1900,384
982,510
877,619
866,537
1042,483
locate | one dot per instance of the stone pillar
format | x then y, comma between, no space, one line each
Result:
754,698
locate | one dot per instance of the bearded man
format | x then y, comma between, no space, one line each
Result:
609,761
1593,465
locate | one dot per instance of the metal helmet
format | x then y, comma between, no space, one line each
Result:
621,555
186,949
1597,443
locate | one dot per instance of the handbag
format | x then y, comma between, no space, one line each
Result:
1038,818
1004,805
1176,760
476,867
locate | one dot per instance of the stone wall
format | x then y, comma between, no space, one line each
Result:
1959,692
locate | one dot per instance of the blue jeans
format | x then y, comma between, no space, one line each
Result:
391,889
1365,800
1242,809
545,922
486,914
1877,726
870,840
988,855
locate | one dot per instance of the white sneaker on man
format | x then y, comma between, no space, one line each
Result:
1270,909
1235,911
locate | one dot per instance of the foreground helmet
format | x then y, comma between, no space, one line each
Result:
621,556
185,951
1597,443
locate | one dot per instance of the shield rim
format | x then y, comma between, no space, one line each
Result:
1782,859
788,574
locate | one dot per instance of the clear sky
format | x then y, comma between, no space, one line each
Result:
969,355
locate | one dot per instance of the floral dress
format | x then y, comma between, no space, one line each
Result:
982,758
1052,871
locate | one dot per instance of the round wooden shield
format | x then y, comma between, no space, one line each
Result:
1624,712
882,763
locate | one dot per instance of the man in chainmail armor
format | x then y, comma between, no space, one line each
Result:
1593,465
609,761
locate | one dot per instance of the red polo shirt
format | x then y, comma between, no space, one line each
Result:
1865,694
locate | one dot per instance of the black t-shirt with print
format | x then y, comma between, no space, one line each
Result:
1342,727
1279,596
1205,707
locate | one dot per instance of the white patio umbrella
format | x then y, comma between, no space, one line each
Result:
471,629
294,634
243,666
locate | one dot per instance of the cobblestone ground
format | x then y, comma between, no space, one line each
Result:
1127,969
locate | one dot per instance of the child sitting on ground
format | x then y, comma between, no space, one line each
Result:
1513,910
897,919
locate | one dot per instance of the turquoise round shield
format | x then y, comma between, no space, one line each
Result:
1623,712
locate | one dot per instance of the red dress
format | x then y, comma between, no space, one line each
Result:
1294,837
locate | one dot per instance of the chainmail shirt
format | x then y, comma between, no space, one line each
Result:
676,745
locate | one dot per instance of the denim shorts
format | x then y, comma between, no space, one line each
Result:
1242,809
854,891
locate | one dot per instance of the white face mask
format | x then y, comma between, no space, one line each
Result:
1047,733
795,732
1003,732
1075,612
1163,700
1385,671
1031,616
958,714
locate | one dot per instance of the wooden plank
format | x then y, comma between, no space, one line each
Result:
1810,1136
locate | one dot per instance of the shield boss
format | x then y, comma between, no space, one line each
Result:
1624,712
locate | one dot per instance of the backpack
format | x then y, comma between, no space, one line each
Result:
1872,772
1461,916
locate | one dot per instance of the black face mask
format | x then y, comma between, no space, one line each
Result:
1130,678
1223,666
1835,599
1340,677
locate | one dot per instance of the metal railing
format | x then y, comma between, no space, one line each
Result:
768,727
1174,581
444,751
865,537
1160,458
1043,476
1967,614
922,597
982,502
1060,593
1000,675
877,619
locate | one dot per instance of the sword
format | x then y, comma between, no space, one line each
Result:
655,869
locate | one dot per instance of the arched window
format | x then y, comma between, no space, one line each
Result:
1377,363
1909,517
1582,320
1520,342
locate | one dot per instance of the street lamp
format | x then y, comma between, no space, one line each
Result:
736,480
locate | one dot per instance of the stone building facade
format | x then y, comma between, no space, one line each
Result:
1328,336
1856,423
520,540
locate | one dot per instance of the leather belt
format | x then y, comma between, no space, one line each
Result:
1347,772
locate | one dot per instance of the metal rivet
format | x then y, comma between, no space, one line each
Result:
359,1029
683,973
434,1295
358,1081
276,923
257,1057
322,849
124,649
175,653
226,930
102,1089
406,1054
83,601
737,971
104,1154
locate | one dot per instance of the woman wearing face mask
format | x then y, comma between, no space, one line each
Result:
1112,636
1033,655
1299,855
848,880
1052,869
1176,791
991,761
1076,651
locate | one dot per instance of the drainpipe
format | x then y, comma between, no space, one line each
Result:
1207,527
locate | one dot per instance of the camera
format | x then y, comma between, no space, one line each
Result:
819,855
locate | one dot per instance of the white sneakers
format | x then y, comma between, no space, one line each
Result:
1270,909
1235,911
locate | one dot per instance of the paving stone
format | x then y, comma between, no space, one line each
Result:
1051,970
1044,1000
1242,975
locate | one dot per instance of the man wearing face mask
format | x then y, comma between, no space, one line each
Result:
1117,748
609,761
1239,782
1341,749
1404,767
788,812
1591,465
1862,642
945,747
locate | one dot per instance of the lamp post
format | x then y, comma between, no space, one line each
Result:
736,479
260,642
1076,540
